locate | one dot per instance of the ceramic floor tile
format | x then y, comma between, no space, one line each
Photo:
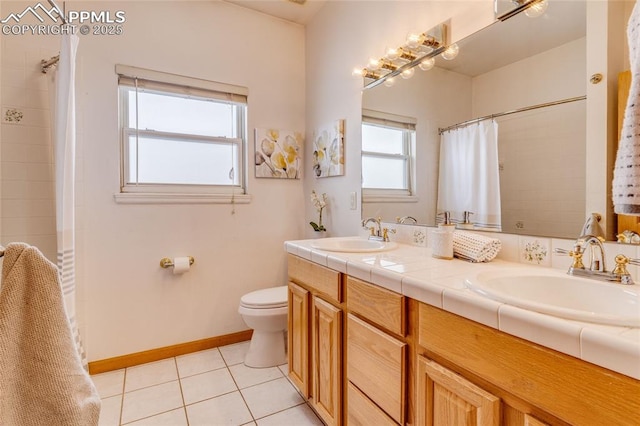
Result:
151,401
300,415
150,374
110,411
234,354
176,417
207,385
199,362
271,397
228,409
247,376
109,384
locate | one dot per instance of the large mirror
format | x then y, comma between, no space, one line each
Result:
508,66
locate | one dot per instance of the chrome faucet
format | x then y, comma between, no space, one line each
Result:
597,269
380,234
404,219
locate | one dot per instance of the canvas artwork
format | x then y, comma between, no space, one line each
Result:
278,153
328,150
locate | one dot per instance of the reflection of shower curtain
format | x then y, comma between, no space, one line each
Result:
64,140
469,177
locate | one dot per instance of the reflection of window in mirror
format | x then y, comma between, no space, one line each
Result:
388,144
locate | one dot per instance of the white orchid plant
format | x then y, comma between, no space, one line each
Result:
319,202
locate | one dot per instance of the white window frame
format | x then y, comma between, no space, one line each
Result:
408,126
132,78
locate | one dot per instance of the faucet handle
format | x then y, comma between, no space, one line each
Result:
385,233
620,271
577,259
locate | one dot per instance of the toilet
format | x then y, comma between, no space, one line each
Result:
265,311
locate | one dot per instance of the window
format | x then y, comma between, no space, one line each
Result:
388,142
181,135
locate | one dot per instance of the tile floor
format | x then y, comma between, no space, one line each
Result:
211,387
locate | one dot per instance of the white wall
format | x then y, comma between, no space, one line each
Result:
127,302
343,36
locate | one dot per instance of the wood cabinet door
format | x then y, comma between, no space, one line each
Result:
446,399
298,338
327,361
376,365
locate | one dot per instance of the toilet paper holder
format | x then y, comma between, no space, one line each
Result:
166,262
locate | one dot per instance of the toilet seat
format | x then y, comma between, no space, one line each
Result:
268,298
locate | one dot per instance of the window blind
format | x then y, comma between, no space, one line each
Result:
182,85
385,119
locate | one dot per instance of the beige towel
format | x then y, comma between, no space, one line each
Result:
42,381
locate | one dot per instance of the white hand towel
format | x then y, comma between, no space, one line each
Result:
475,247
626,173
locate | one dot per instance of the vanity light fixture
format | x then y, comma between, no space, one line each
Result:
419,50
531,8
450,52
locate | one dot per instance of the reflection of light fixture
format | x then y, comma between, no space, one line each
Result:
450,52
389,82
408,73
427,64
537,8
419,50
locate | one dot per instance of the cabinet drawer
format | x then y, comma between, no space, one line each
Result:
317,277
376,364
361,411
384,307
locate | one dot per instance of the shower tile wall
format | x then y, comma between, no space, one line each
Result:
27,188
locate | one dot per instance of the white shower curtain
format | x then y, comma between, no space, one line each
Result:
63,112
469,177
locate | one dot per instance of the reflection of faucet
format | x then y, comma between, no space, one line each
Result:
403,220
380,234
597,269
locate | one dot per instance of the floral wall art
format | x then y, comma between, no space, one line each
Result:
328,150
278,153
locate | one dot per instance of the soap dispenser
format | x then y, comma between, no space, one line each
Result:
446,225
466,222
442,238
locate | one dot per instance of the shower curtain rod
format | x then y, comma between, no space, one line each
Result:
500,114
45,64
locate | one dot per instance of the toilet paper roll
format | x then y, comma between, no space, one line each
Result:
180,265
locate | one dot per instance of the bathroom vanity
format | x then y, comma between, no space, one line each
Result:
395,338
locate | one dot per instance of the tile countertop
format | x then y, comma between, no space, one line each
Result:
413,272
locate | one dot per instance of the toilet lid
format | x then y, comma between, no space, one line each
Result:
274,297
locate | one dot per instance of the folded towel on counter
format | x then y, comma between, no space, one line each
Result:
475,247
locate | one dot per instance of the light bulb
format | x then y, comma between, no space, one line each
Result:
407,74
392,53
374,63
359,72
537,9
450,52
389,82
427,64
414,40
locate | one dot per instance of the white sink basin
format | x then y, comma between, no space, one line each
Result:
563,296
352,245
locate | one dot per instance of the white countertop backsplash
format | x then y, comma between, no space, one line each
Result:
412,271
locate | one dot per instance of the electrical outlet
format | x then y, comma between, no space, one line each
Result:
353,200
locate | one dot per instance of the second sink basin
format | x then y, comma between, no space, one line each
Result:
352,245
564,296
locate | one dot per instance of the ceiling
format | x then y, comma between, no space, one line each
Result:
299,11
